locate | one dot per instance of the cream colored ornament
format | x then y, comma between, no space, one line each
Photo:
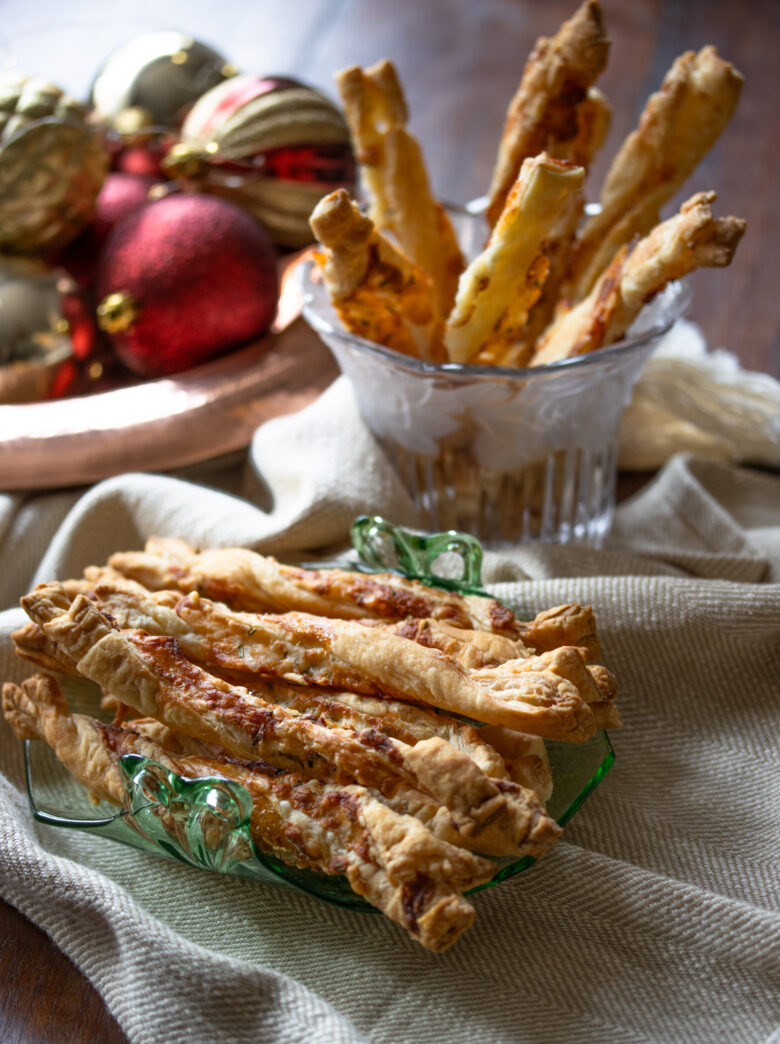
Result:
271,145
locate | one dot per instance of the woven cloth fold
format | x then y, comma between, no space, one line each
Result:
656,919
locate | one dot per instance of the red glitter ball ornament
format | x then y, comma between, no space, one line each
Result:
142,154
184,279
120,194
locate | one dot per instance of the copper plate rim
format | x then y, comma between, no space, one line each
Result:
157,425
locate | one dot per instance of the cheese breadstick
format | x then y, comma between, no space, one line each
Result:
691,239
393,860
543,115
498,289
378,293
150,674
395,174
252,582
680,124
593,117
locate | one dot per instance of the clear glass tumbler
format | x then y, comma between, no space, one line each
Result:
509,455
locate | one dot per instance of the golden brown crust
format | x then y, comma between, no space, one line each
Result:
373,103
343,653
37,710
689,240
31,644
594,114
593,117
235,575
248,581
466,646
312,650
570,624
394,171
419,222
402,721
525,758
393,860
499,287
543,115
151,674
680,124
606,715
378,293
129,605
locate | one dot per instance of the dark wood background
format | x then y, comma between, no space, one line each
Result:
460,61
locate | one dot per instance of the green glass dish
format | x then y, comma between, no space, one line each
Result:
205,822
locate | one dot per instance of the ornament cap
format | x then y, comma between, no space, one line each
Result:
117,312
134,122
184,161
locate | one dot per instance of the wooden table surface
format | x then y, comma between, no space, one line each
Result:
460,62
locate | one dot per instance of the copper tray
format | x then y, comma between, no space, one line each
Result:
158,425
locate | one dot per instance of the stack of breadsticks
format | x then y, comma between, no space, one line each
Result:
336,698
548,285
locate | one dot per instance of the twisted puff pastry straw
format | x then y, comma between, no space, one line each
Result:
152,675
498,289
376,290
689,240
391,859
252,582
593,117
522,758
312,650
680,124
401,721
546,695
543,115
393,168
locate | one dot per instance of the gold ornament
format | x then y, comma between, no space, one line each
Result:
52,166
185,161
26,99
162,73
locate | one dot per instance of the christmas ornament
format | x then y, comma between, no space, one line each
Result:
271,145
120,194
45,330
183,279
158,74
26,99
136,147
52,165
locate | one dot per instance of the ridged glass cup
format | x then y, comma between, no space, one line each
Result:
510,455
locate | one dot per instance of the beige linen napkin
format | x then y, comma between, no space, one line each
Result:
690,399
656,919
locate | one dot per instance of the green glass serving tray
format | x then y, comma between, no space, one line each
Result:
205,822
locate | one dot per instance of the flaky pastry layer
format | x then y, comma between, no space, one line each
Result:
691,239
153,676
252,582
679,125
394,171
499,287
392,860
378,293
543,114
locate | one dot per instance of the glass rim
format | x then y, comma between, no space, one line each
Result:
588,360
